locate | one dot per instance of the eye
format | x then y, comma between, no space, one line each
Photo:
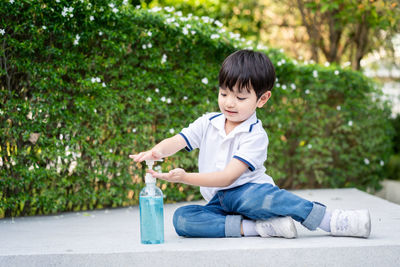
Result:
242,98
222,94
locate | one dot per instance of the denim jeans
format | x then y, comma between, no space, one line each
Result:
223,215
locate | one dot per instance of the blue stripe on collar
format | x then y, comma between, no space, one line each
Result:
215,116
251,126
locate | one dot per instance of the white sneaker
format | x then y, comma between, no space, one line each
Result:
277,226
355,223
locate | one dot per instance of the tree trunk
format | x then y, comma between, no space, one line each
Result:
361,43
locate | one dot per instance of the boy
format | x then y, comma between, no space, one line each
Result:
242,199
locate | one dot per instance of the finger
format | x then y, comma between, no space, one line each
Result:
139,157
133,156
160,175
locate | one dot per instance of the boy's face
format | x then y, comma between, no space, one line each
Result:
238,107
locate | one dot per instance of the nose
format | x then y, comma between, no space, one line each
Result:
230,101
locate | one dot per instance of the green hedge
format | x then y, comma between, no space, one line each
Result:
83,85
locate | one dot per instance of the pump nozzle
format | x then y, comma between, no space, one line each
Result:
150,163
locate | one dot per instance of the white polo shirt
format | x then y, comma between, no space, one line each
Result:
247,142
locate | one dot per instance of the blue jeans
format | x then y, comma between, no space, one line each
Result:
223,215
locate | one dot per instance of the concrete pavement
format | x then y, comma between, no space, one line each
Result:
112,238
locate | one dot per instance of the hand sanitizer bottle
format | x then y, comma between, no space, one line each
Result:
151,211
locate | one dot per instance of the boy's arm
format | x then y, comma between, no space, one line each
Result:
223,178
165,148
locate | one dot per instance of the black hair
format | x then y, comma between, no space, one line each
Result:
248,69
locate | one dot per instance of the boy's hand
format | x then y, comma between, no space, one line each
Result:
150,154
175,176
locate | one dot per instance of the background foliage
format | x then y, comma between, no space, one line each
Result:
83,85
324,30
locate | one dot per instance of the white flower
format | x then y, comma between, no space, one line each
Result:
179,13
149,45
61,136
100,33
327,64
350,123
64,13
169,9
93,80
170,20
293,86
144,46
2,31
164,59
193,32
185,98
176,24
111,151
98,79
214,36
315,73
72,167
382,163
204,80
115,10
29,116
169,101
76,41
309,146
1,112
111,5
218,23
31,168
163,99
13,162
284,87
157,90
1,162
138,7
44,27
11,1
149,33
91,18
338,107
336,72
307,91
148,99
185,31
366,161
171,130
278,85
134,130
103,84
125,2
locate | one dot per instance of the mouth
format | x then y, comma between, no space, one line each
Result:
230,112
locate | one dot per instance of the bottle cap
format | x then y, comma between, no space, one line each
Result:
149,179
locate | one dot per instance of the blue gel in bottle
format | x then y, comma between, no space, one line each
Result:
151,212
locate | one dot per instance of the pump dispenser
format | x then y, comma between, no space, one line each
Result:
151,210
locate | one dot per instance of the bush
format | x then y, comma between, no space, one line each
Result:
393,167
84,85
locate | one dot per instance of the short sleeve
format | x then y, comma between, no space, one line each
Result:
193,134
252,150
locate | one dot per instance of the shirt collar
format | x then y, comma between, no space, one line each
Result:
218,121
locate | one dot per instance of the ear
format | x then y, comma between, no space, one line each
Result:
263,99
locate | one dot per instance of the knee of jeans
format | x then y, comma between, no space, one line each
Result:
179,221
